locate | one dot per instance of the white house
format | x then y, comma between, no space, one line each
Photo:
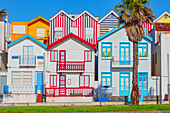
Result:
115,64
26,69
70,70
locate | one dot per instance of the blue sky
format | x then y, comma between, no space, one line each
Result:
25,10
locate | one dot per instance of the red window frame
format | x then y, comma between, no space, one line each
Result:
53,80
87,51
54,60
84,81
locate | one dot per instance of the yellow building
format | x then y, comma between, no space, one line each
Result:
164,18
38,28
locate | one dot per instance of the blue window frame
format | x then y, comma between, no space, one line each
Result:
106,49
143,49
143,83
124,83
106,79
124,53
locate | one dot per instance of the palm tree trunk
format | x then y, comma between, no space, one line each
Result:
135,90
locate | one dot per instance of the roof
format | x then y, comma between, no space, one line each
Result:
115,30
26,36
68,36
165,13
72,18
111,12
38,18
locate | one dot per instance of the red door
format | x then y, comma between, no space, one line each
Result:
62,85
62,60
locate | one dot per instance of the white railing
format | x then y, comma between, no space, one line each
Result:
103,92
27,60
122,61
21,89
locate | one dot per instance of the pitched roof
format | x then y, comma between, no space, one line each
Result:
165,13
68,36
111,12
115,30
26,36
72,18
38,18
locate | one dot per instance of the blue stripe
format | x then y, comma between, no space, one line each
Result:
15,57
40,57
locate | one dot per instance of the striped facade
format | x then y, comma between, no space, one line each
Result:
83,21
147,27
108,23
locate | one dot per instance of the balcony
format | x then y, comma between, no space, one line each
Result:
69,92
67,66
27,60
117,63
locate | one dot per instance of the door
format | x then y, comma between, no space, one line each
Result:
3,80
28,55
62,85
62,60
143,84
39,82
124,84
124,53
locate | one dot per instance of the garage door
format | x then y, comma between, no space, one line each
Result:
22,78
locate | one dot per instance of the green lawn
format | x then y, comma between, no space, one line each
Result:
85,109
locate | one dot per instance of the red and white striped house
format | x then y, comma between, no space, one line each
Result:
71,58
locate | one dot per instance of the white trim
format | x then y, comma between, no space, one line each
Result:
162,16
111,12
72,18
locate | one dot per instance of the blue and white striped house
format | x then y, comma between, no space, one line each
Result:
26,67
115,64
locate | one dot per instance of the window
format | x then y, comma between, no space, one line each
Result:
87,56
62,15
19,29
74,30
111,16
53,80
143,83
124,53
58,32
84,81
89,33
72,16
124,84
54,55
106,79
165,17
142,49
106,49
28,57
40,32
85,15
22,78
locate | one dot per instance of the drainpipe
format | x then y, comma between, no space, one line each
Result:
5,31
44,73
160,71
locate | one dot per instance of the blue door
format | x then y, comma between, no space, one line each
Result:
124,53
124,84
143,84
40,82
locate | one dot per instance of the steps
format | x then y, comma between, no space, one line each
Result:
39,98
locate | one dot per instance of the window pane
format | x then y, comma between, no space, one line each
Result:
89,56
107,45
52,55
81,80
106,74
51,80
58,32
55,81
55,55
86,81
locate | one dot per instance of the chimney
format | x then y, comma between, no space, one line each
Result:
97,18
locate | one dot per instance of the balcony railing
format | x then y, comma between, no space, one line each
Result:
69,92
71,66
117,62
21,89
27,60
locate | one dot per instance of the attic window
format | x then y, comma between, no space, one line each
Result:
62,15
85,15
111,16
73,16
165,17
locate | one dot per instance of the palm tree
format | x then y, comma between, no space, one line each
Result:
132,14
3,13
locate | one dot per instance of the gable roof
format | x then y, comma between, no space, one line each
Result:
26,36
111,12
76,17
115,30
38,18
68,36
165,13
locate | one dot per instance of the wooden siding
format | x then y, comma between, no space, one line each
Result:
81,23
109,23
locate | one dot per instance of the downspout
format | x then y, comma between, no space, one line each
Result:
44,73
160,70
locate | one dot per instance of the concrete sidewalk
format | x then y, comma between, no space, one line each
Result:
75,104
